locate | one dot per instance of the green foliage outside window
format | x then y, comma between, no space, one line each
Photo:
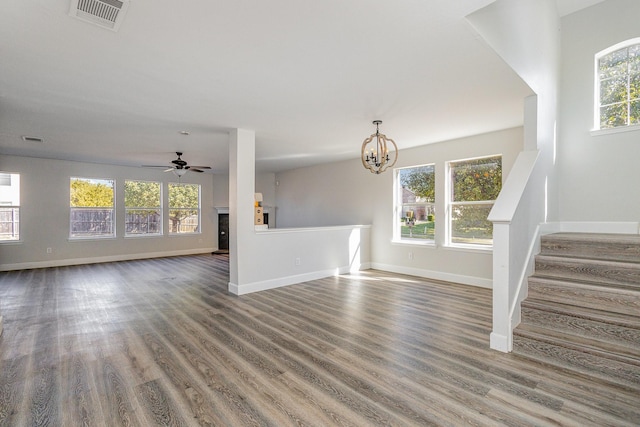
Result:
417,192
619,84
91,193
476,180
475,185
420,181
141,194
143,207
184,208
92,204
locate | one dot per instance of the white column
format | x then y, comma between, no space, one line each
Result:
242,155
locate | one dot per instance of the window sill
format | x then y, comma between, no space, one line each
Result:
11,242
91,239
428,243
141,236
610,131
470,248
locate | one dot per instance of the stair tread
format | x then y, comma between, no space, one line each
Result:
622,247
615,288
625,320
605,272
608,350
579,362
611,298
632,265
590,237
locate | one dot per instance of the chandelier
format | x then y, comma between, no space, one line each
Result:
375,153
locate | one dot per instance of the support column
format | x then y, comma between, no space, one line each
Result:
242,156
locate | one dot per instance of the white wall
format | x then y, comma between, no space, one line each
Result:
221,191
598,175
345,193
44,216
340,193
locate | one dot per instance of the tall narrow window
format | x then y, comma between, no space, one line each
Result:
92,208
415,204
618,86
9,206
474,185
143,208
184,208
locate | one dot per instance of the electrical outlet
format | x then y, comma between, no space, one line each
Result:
49,250
297,261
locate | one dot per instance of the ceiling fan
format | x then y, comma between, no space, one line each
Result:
179,166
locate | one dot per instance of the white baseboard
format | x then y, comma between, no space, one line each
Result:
590,227
264,285
95,260
436,275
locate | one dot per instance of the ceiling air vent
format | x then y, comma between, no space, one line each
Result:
32,139
104,13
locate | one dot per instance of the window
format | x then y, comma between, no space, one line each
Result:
184,208
415,204
474,185
143,208
92,205
9,206
618,86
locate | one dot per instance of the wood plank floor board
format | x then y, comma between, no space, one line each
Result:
12,389
162,342
118,401
78,392
159,407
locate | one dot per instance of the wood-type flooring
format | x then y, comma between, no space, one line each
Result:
162,343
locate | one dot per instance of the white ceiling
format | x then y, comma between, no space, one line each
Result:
307,76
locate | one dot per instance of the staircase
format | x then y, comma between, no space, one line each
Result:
582,312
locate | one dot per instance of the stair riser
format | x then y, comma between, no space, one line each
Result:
601,299
601,333
593,272
587,363
615,251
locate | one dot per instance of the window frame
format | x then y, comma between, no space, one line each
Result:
451,203
14,195
399,207
103,236
198,229
597,123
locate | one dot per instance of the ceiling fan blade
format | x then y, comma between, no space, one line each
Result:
201,167
168,170
193,168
